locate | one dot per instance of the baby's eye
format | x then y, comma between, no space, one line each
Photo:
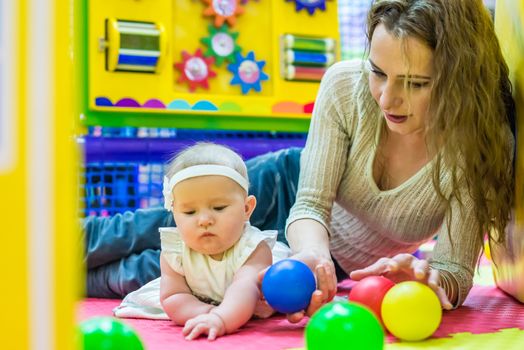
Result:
189,212
220,208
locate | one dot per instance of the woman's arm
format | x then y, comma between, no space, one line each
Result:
309,242
176,297
325,156
457,249
309,235
322,164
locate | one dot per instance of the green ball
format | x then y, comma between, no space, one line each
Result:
107,333
344,325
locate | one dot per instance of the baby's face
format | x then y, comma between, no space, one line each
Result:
210,212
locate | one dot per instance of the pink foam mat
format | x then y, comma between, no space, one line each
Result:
486,310
273,333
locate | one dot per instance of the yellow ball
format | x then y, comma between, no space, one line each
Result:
411,311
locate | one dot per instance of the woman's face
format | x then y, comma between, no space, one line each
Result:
400,80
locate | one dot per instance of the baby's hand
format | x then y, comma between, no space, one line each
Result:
210,324
262,309
405,267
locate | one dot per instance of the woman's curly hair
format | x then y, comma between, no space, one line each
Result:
472,110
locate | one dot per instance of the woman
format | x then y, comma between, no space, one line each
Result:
416,144
412,143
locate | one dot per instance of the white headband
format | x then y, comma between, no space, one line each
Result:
199,170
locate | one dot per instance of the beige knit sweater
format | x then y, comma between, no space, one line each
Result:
337,189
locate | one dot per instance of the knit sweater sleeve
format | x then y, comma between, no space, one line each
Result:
329,140
457,250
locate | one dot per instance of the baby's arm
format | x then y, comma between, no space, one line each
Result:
239,300
176,297
242,295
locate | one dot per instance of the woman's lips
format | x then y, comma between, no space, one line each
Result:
396,118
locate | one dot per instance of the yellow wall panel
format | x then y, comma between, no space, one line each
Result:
68,277
14,318
41,260
260,28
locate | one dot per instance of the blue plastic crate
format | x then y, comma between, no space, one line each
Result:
109,188
124,169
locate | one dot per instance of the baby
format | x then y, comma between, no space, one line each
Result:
210,261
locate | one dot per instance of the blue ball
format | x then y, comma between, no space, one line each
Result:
288,286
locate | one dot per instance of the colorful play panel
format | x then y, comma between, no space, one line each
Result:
175,61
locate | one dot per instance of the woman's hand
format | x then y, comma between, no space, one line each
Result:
405,267
210,324
326,278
